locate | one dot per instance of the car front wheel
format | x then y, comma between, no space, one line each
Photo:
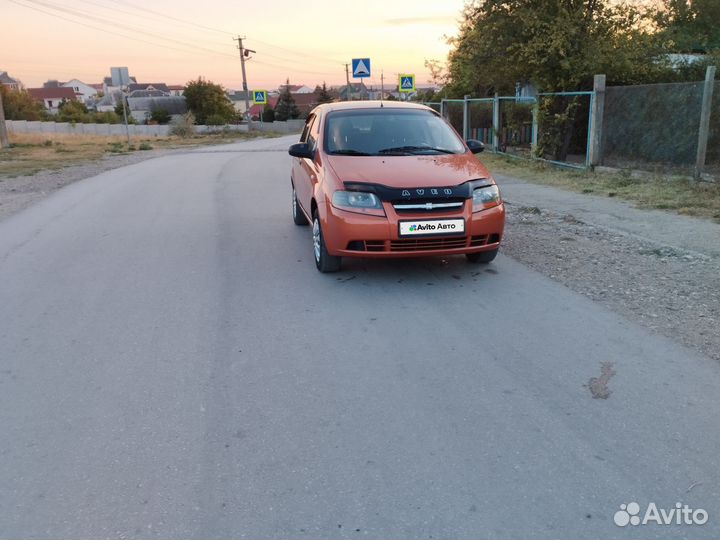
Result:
323,260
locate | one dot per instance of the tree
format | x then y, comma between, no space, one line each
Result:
323,96
687,27
20,105
268,114
554,44
119,107
206,99
72,111
286,108
161,116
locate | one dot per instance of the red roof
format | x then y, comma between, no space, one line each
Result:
175,87
256,110
63,92
305,103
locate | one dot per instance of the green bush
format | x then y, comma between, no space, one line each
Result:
145,146
215,120
268,114
161,116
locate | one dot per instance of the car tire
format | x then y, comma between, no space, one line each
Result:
297,214
482,257
323,260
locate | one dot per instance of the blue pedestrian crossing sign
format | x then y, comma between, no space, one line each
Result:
260,97
360,68
406,82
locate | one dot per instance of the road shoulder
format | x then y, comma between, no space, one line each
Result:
656,268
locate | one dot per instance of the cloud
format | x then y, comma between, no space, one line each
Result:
435,20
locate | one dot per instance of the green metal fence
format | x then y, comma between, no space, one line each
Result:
649,127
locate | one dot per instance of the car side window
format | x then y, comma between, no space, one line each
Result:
306,129
313,134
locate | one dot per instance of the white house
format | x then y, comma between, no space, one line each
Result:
52,98
84,92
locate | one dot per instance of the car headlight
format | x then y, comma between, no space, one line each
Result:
358,201
486,197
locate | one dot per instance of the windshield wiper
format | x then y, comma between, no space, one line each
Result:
348,152
411,149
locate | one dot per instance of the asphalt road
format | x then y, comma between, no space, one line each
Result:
173,366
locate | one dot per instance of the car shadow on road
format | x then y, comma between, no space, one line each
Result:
426,271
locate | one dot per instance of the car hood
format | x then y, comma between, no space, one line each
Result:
409,171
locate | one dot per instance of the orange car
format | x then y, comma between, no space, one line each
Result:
392,180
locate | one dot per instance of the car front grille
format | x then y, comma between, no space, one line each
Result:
428,244
428,205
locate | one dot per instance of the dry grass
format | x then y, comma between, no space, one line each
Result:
671,193
33,152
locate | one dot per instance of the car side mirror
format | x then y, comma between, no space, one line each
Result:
301,150
475,146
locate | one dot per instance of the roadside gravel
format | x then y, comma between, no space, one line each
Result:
671,291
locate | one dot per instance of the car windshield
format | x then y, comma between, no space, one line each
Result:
387,131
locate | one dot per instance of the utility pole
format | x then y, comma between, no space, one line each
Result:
347,78
243,53
4,142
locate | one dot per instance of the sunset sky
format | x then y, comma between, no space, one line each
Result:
173,41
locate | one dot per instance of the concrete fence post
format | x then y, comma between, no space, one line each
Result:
496,123
595,124
535,129
704,129
466,117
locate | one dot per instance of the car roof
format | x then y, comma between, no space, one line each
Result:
355,105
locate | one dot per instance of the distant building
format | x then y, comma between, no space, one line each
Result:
158,87
296,88
147,93
84,92
108,85
9,82
256,110
238,100
305,103
176,89
355,91
108,102
52,98
141,108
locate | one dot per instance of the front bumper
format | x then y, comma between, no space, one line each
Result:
348,234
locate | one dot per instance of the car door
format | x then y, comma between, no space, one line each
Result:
301,171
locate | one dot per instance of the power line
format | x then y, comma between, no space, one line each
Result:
104,30
100,20
165,16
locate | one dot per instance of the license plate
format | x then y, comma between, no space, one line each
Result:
423,227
